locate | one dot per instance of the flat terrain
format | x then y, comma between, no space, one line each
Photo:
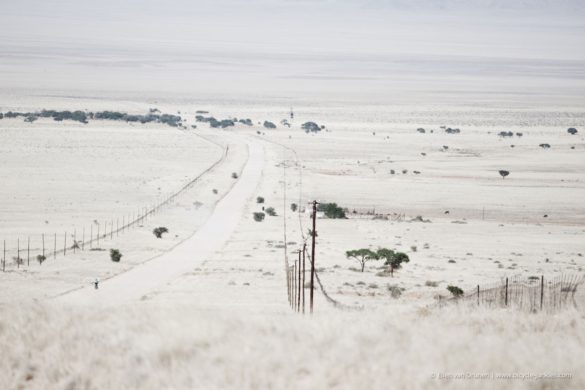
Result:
205,306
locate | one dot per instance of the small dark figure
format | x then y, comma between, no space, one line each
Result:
96,283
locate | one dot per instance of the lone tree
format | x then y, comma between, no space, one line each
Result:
259,216
393,259
293,207
158,232
455,291
572,130
270,211
504,173
362,256
259,199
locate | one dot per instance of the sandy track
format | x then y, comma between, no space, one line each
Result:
150,276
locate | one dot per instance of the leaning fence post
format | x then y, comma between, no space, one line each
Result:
74,239
541,291
506,296
478,295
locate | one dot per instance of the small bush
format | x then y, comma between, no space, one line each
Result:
430,283
214,191
234,175
41,258
259,216
395,291
331,210
293,207
259,199
455,291
115,255
158,232
270,211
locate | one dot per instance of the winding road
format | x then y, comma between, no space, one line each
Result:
130,286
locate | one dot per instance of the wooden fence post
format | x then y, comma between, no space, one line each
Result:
65,244
74,240
4,258
83,240
43,245
18,253
55,248
478,295
28,252
541,291
91,236
506,296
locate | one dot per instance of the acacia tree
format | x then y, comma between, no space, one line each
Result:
362,256
393,259
504,173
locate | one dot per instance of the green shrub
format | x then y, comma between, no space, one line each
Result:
293,207
158,232
259,216
259,199
270,211
455,291
331,210
41,258
234,175
115,255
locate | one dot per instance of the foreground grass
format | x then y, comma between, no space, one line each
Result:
152,347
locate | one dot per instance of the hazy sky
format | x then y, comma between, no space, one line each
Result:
286,45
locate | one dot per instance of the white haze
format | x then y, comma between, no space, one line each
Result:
351,49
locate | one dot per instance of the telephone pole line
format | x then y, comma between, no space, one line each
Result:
313,234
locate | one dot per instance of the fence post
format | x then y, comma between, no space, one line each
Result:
4,258
299,282
98,235
112,229
28,252
55,248
43,245
83,240
65,244
74,240
478,295
91,236
506,296
18,253
541,291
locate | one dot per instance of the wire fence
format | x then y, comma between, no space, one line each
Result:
531,294
41,247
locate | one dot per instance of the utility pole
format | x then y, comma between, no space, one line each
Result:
313,234
303,280
300,284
